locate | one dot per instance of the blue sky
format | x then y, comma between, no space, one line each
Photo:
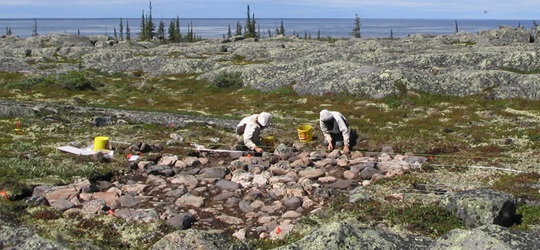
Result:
438,9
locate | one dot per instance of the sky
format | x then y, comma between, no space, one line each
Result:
422,9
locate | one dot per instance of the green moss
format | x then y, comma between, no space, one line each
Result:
426,219
270,244
460,43
31,82
520,185
284,90
530,217
11,211
6,77
520,71
239,59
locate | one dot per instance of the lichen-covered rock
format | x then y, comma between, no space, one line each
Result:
487,237
477,207
24,239
346,235
8,110
460,64
196,239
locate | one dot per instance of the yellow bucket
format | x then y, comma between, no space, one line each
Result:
269,142
101,142
305,133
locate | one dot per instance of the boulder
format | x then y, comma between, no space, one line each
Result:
487,237
196,239
347,235
482,207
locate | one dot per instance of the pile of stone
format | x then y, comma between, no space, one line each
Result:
243,195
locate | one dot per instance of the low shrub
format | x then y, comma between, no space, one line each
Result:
75,80
229,80
31,82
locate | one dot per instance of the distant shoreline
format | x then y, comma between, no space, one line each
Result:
218,27
270,18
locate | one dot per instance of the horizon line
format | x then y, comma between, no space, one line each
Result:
391,18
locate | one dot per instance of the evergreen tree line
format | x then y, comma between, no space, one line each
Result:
173,34
251,32
148,31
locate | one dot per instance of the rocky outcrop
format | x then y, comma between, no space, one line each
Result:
104,116
494,63
487,237
483,207
196,239
346,235
24,238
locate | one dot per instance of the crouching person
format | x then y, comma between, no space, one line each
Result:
336,131
249,131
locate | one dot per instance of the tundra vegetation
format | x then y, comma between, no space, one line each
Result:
455,133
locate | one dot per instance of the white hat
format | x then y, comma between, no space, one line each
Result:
325,115
264,119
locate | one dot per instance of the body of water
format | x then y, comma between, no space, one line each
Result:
218,27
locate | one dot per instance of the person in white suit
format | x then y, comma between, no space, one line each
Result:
249,131
335,130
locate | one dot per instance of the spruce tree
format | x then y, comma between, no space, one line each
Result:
178,35
356,29
121,29
161,31
250,25
8,31
238,29
229,32
128,31
282,29
190,36
34,30
172,32
150,27
142,35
